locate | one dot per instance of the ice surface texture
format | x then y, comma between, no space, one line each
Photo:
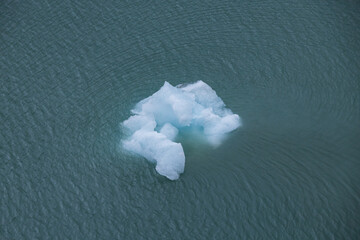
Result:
158,119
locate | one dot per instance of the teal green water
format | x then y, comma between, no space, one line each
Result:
71,71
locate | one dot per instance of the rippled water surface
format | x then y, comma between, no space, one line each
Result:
71,71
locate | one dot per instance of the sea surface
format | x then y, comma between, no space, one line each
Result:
71,71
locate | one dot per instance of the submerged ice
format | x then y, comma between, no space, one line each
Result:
158,119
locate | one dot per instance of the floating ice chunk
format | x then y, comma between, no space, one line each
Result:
159,118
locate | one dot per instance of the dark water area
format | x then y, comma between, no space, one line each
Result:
71,71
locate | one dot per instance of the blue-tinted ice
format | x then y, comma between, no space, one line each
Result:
158,119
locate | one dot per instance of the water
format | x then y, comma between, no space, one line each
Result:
71,72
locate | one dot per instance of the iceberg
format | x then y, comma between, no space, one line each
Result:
157,120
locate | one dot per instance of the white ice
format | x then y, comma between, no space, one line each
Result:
158,119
